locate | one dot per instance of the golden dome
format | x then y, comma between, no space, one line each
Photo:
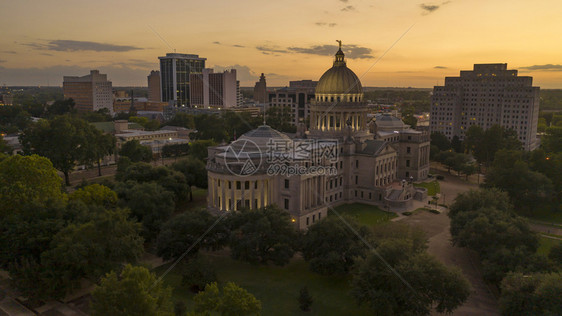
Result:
339,79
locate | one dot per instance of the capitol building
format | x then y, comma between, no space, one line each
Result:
346,156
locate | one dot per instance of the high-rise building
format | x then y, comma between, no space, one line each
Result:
154,91
488,95
296,100
174,73
260,90
92,92
210,89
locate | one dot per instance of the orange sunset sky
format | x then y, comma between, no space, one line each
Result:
40,41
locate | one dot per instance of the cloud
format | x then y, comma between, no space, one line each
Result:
348,8
9,52
271,49
344,1
3,60
326,24
429,8
45,54
240,46
136,64
351,51
546,67
246,75
217,43
440,67
72,46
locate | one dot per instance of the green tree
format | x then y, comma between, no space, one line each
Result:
280,118
135,292
150,204
99,146
135,151
183,231
262,236
532,294
4,147
198,273
61,107
552,141
456,144
182,120
95,194
555,253
305,299
210,127
440,140
331,248
168,178
25,179
429,285
63,139
198,148
232,300
411,120
195,172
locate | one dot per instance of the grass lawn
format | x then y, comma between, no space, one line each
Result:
365,214
545,244
276,287
432,187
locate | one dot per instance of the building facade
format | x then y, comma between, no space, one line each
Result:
92,92
154,91
358,166
260,90
175,70
487,95
218,90
296,100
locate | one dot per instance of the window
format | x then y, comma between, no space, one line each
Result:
247,185
286,183
356,179
319,215
341,164
238,185
356,163
307,221
408,150
230,184
407,163
356,193
407,174
286,204
255,185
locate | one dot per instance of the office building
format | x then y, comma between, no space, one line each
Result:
296,100
175,70
92,92
487,95
154,91
260,90
217,90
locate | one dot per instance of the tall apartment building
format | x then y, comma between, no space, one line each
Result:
175,70
260,90
90,93
487,95
154,91
298,100
210,89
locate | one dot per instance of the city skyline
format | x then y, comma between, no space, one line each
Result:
286,41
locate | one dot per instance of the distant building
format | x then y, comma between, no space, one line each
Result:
307,84
154,91
297,100
174,77
92,92
488,95
260,90
218,90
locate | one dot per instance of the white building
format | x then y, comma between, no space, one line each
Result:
488,95
217,90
